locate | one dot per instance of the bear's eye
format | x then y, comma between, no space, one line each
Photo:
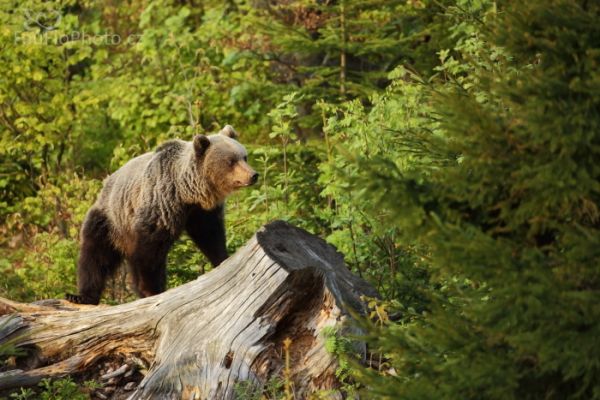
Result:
232,162
246,158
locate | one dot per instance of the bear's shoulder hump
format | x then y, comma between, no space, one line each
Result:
170,145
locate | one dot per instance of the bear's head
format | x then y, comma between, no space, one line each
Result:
223,162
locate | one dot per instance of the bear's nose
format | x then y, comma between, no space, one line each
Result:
254,178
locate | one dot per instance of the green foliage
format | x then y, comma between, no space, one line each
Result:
48,224
362,232
342,348
335,51
509,223
8,349
47,270
185,262
447,148
60,389
272,390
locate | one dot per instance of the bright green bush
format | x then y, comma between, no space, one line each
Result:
46,270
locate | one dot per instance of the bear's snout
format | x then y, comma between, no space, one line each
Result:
244,175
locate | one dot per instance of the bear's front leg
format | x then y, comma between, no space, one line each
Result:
207,230
148,264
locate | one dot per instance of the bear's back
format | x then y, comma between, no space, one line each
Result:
143,184
122,192
141,174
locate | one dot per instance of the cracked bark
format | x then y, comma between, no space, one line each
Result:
201,338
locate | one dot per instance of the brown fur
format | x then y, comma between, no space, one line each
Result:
145,205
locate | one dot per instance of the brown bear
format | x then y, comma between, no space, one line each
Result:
146,204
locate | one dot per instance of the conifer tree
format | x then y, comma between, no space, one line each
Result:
340,50
511,222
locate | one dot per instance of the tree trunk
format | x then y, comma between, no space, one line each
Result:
202,338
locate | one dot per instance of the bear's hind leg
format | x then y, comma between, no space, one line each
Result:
98,259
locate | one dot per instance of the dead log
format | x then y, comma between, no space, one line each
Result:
202,338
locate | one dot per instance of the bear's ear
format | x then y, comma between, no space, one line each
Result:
229,132
201,143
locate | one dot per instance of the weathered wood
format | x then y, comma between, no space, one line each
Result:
201,338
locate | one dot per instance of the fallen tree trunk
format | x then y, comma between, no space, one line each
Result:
201,339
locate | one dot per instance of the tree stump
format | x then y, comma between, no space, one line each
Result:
202,338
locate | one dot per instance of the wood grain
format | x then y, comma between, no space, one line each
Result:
202,338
